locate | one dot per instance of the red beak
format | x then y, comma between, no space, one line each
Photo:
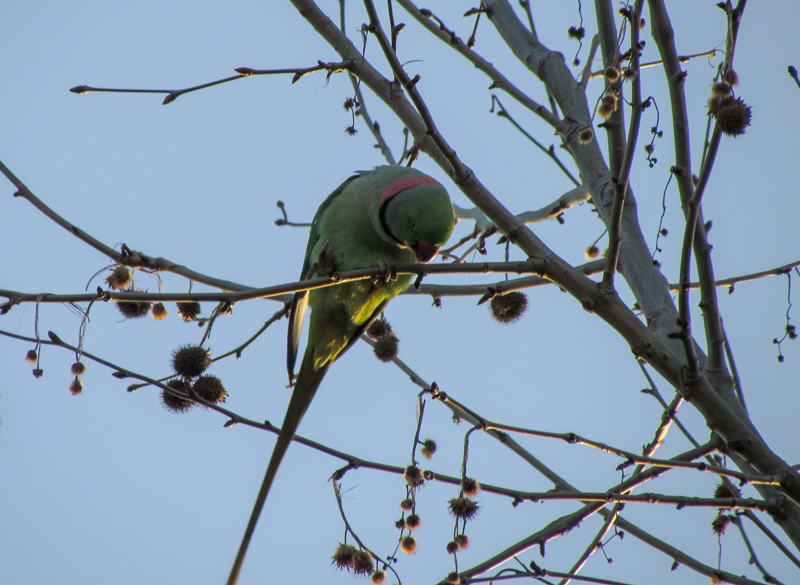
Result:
425,252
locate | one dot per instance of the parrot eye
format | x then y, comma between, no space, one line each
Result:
413,226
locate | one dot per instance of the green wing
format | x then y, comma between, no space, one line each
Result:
300,302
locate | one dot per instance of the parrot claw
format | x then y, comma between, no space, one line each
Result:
325,264
388,272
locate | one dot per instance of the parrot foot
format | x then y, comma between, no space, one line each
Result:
325,264
388,272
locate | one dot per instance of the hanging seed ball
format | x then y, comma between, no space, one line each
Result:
31,356
452,548
605,110
720,524
733,116
428,448
188,310
38,373
592,252
721,89
159,311
509,307
190,361
119,278
462,541
76,387
362,563
133,309
611,73
732,77
453,578
173,402
413,522
386,348
378,577
470,487
463,508
408,544
343,557
210,389
628,73
78,369
727,491
413,476
407,504
378,329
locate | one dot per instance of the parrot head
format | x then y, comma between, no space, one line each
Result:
418,215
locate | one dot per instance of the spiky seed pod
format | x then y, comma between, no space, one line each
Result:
592,252
462,541
724,490
463,508
343,557
576,32
188,310
190,361
628,73
378,329
159,311
509,307
428,448
210,389
605,110
612,74
721,89
133,309
733,116
454,578
610,99
408,544
413,476
400,524
378,577
78,369
174,403
31,356
720,524
362,563
413,522
119,278
586,135
732,77
470,487
386,348
407,504
76,387
452,548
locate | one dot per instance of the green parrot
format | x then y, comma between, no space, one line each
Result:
391,214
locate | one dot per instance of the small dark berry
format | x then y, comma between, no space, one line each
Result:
76,387
78,369
31,356
408,545
159,311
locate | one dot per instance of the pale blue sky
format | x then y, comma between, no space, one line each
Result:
110,488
